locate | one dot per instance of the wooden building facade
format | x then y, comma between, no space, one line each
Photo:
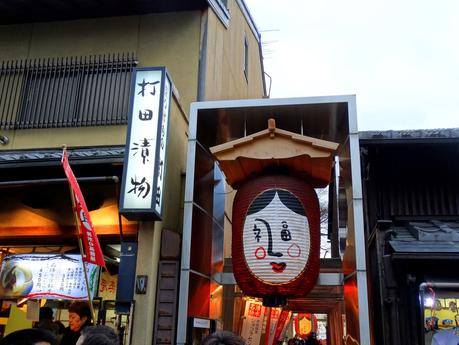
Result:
411,206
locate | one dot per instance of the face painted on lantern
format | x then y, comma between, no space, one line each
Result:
276,237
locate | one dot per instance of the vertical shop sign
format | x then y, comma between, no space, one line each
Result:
253,322
146,144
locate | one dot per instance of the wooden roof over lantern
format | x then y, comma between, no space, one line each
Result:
276,149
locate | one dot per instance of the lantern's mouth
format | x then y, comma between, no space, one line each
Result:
278,267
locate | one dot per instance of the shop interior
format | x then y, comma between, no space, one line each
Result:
440,312
37,223
300,321
19,313
285,326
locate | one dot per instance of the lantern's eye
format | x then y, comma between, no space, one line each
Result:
285,235
285,232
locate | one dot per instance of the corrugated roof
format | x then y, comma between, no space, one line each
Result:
438,133
419,238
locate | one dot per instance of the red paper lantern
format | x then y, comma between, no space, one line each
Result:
305,323
276,238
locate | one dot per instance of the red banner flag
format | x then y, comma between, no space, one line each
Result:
93,252
281,323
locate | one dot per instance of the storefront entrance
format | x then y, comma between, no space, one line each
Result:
50,277
40,258
207,286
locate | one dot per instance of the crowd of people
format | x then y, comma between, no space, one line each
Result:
311,339
228,338
80,330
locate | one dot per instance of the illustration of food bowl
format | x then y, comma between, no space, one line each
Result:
15,280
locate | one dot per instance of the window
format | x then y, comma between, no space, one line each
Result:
246,58
64,92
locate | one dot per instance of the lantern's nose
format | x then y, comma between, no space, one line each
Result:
270,238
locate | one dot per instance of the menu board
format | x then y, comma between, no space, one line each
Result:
51,276
253,322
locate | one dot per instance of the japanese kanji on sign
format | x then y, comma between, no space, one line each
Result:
50,276
146,143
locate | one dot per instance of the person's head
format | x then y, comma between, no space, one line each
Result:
98,335
46,313
223,338
79,315
30,336
99,339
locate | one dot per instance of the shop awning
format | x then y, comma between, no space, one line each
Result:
428,239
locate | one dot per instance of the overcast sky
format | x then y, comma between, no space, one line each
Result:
399,57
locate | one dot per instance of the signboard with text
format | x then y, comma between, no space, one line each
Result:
107,286
253,322
146,143
51,276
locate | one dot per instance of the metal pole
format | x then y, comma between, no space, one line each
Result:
439,285
57,181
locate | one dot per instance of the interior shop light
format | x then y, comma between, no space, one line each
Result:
428,302
22,301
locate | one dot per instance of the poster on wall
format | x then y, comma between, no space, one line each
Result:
253,322
107,286
146,143
50,276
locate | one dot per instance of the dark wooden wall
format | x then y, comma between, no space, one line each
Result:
404,180
410,180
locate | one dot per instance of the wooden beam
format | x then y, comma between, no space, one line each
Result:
55,234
